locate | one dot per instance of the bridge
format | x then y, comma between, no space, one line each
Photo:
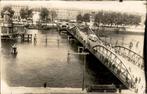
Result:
124,63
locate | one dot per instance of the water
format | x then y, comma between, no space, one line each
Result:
46,61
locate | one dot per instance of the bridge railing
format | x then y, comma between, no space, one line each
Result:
109,59
125,52
115,64
130,55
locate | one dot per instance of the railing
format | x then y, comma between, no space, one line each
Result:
109,59
114,63
130,55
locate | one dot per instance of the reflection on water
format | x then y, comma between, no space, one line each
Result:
45,60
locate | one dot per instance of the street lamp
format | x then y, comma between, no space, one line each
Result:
84,62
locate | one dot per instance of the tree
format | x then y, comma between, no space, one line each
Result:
79,18
26,13
135,19
9,9
44,13
53,14
98,18
86,17
30,12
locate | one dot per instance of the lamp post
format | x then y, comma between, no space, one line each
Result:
83,81
84,67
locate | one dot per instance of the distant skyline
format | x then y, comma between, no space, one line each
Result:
126,6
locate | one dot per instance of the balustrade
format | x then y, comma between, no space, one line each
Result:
130,55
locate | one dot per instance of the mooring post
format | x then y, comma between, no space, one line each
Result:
35,39
58,42
22,37
28,37
46,39
68,58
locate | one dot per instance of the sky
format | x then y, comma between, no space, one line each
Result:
126,6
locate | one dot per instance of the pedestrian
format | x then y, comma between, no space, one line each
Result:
35,38
131,45
116,44
129,69
139,80
137,44
136,79
119,89
45,84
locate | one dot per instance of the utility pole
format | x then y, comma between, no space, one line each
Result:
84,67
122,41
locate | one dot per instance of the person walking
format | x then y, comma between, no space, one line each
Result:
131,45
120,89
45,85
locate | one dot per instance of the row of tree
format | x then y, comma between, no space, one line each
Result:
111,18
25,13
102,17
84,18
116,18
8,9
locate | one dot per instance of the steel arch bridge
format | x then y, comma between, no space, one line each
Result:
125,64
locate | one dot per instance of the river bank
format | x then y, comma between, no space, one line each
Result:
115,30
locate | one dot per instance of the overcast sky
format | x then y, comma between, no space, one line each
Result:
126,6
